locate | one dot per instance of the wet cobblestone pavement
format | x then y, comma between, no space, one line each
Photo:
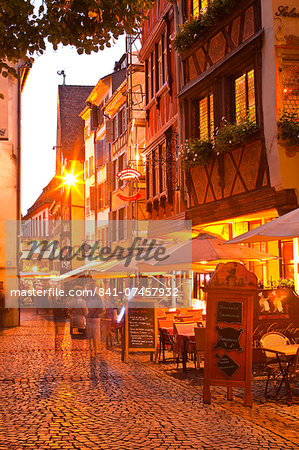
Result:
67,399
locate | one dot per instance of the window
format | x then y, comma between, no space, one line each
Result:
245,97
156,68
164,58
155,163
195,8
198,6
290,80
159,66
206,117
121,162
152,77
287,254
162,167
147,82
149,176
101,195
156,171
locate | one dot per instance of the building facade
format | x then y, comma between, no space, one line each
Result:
10,184
237,74
165,196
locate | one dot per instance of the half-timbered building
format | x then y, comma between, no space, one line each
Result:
239,74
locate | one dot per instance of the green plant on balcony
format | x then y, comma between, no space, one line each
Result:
229,134
196,152
195,28
288,128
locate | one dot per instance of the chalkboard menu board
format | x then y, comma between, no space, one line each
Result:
229,312
141,327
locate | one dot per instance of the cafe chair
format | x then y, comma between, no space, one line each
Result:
294,371
182,348
200,336
272,366
165,338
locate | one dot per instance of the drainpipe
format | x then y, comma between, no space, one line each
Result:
18,200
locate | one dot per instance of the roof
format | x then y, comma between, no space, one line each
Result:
71,101
48,195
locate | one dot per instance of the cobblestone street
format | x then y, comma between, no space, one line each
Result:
69,399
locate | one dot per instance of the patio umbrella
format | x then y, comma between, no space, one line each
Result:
284,227
209,248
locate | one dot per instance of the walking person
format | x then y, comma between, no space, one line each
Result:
93,318
78,311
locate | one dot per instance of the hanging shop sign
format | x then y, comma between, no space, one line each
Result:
128,185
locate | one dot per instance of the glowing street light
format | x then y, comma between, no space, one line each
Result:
70,179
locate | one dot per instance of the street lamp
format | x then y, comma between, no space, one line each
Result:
70,179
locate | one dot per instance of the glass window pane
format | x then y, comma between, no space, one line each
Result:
195,5
240,98
290,83
203,119
251,96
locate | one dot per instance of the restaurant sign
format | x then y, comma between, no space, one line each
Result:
286,11
275,311
128,184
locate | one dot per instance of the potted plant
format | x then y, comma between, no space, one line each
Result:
195,152
288,132
229,134
197,27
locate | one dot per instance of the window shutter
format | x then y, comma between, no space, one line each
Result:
94,117
105,151
108,183
108,131
99,153
92,197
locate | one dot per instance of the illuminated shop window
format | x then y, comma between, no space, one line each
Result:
206,117
287,259
290,85
245,97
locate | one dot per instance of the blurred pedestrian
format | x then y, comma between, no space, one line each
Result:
93,318
78,311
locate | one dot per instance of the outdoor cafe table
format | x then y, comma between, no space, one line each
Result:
184,344
288,352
